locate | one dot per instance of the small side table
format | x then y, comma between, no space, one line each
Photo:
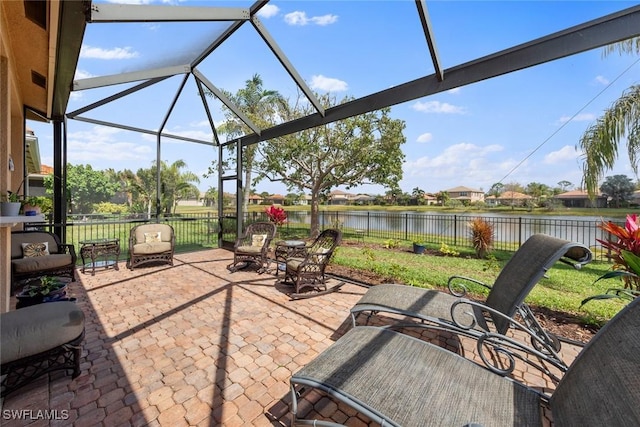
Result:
288,249
99,253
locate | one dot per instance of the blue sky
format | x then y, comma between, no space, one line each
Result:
522,127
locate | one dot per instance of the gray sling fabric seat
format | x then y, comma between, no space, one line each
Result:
399,380
449,311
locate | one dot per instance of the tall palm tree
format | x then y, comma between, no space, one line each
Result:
176,184
262,107
622,120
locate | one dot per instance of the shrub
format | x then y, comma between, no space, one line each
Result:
110,208
446,250
623,239
276,215
481,236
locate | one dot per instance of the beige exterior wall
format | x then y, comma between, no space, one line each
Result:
11,146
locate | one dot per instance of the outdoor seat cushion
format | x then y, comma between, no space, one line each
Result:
32,330
294,263
249,249
32,237
41,263
151,248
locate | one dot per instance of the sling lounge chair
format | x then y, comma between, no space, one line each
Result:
399,380
452,312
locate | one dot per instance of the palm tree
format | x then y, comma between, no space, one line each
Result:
177,185
261,106
622,120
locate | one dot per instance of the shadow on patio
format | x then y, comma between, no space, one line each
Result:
196,345
186,345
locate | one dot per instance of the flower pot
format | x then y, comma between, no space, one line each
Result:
10,208
31,210
419,249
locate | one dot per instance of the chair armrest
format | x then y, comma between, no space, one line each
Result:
69,248
492,345
460,293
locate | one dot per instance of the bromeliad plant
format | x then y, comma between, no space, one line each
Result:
482,237
624,245
276,215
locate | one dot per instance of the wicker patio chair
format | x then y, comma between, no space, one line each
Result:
307,273
253,246
449,311
399,380
151,243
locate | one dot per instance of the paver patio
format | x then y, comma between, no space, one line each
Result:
194,345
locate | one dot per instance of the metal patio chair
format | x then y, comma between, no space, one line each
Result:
399,380
451,312
308,273
253,246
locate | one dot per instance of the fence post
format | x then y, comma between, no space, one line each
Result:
455,230
519,231
368,222
406,226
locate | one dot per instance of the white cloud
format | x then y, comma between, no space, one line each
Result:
104,143
566,153
425,137
87,51
455,90
602,80
437,107
584,117
460,164
192,133
328,84
81,74
268,11
301,18
324,19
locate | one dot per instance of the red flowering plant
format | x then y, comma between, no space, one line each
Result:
624,244
276,215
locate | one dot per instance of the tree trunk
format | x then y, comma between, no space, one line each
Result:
315,226
249,155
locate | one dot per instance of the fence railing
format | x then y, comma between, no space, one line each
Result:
198,231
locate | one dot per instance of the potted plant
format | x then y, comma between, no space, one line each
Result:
43,289
36,205
419,247
10,204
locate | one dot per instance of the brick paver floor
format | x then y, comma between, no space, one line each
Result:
193,345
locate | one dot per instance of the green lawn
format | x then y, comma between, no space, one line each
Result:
563,289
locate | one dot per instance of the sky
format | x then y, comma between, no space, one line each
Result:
518,128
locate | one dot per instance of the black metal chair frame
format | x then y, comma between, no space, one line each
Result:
505,302
309,272
245,252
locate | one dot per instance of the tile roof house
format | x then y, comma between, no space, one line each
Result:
513,198
465,194
580,199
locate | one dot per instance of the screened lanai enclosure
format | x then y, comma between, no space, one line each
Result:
176,93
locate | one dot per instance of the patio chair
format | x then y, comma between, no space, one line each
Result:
151,243
399,380
253,246
308,272
444,311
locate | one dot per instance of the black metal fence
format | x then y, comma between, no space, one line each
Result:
195,231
